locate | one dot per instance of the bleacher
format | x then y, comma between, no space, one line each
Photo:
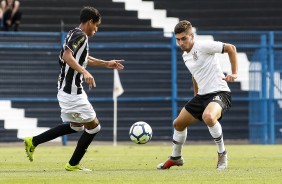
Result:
33,72
225,15
63,15
7,135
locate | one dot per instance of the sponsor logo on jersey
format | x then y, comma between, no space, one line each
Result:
195,55
76,44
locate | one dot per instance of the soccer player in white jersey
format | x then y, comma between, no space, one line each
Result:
211,93
75,107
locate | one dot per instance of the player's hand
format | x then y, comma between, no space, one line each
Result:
89,79
115,64
230,78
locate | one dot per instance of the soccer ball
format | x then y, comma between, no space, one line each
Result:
140,132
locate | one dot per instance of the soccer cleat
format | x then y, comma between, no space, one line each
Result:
170,162
29,148
68,167
222,161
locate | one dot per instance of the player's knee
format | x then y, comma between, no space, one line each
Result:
178,125
209,118
94,130
77,128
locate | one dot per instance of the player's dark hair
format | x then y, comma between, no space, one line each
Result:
88,13
182,26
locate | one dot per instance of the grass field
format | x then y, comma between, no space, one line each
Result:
136,164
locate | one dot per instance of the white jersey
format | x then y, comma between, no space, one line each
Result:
203,64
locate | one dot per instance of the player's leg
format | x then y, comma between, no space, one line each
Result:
60,130
16,20
7,22
91,129
211,115
180,124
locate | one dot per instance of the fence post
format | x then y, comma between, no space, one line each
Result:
264,88
62,38
173,78
271,88
64,137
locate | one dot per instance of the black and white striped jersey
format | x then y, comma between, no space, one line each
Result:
70,81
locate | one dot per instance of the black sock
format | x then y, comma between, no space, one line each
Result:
53,133
81,148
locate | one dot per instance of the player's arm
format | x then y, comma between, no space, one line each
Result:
70,60
195,85
114,64
232,54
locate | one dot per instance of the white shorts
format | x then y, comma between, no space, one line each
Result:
75,108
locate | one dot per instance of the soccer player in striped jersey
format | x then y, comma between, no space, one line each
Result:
75,106
211,93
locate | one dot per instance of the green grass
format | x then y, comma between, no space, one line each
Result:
136,164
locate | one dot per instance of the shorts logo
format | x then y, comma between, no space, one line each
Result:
77,117
216,98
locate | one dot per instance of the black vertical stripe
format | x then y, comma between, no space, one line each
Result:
62,76
69,79
77,78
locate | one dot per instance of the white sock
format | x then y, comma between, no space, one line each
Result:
179,138
216,133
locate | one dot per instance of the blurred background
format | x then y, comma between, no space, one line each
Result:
156,82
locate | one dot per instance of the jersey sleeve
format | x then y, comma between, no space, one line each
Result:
75,41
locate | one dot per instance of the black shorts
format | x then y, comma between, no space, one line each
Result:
198,104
